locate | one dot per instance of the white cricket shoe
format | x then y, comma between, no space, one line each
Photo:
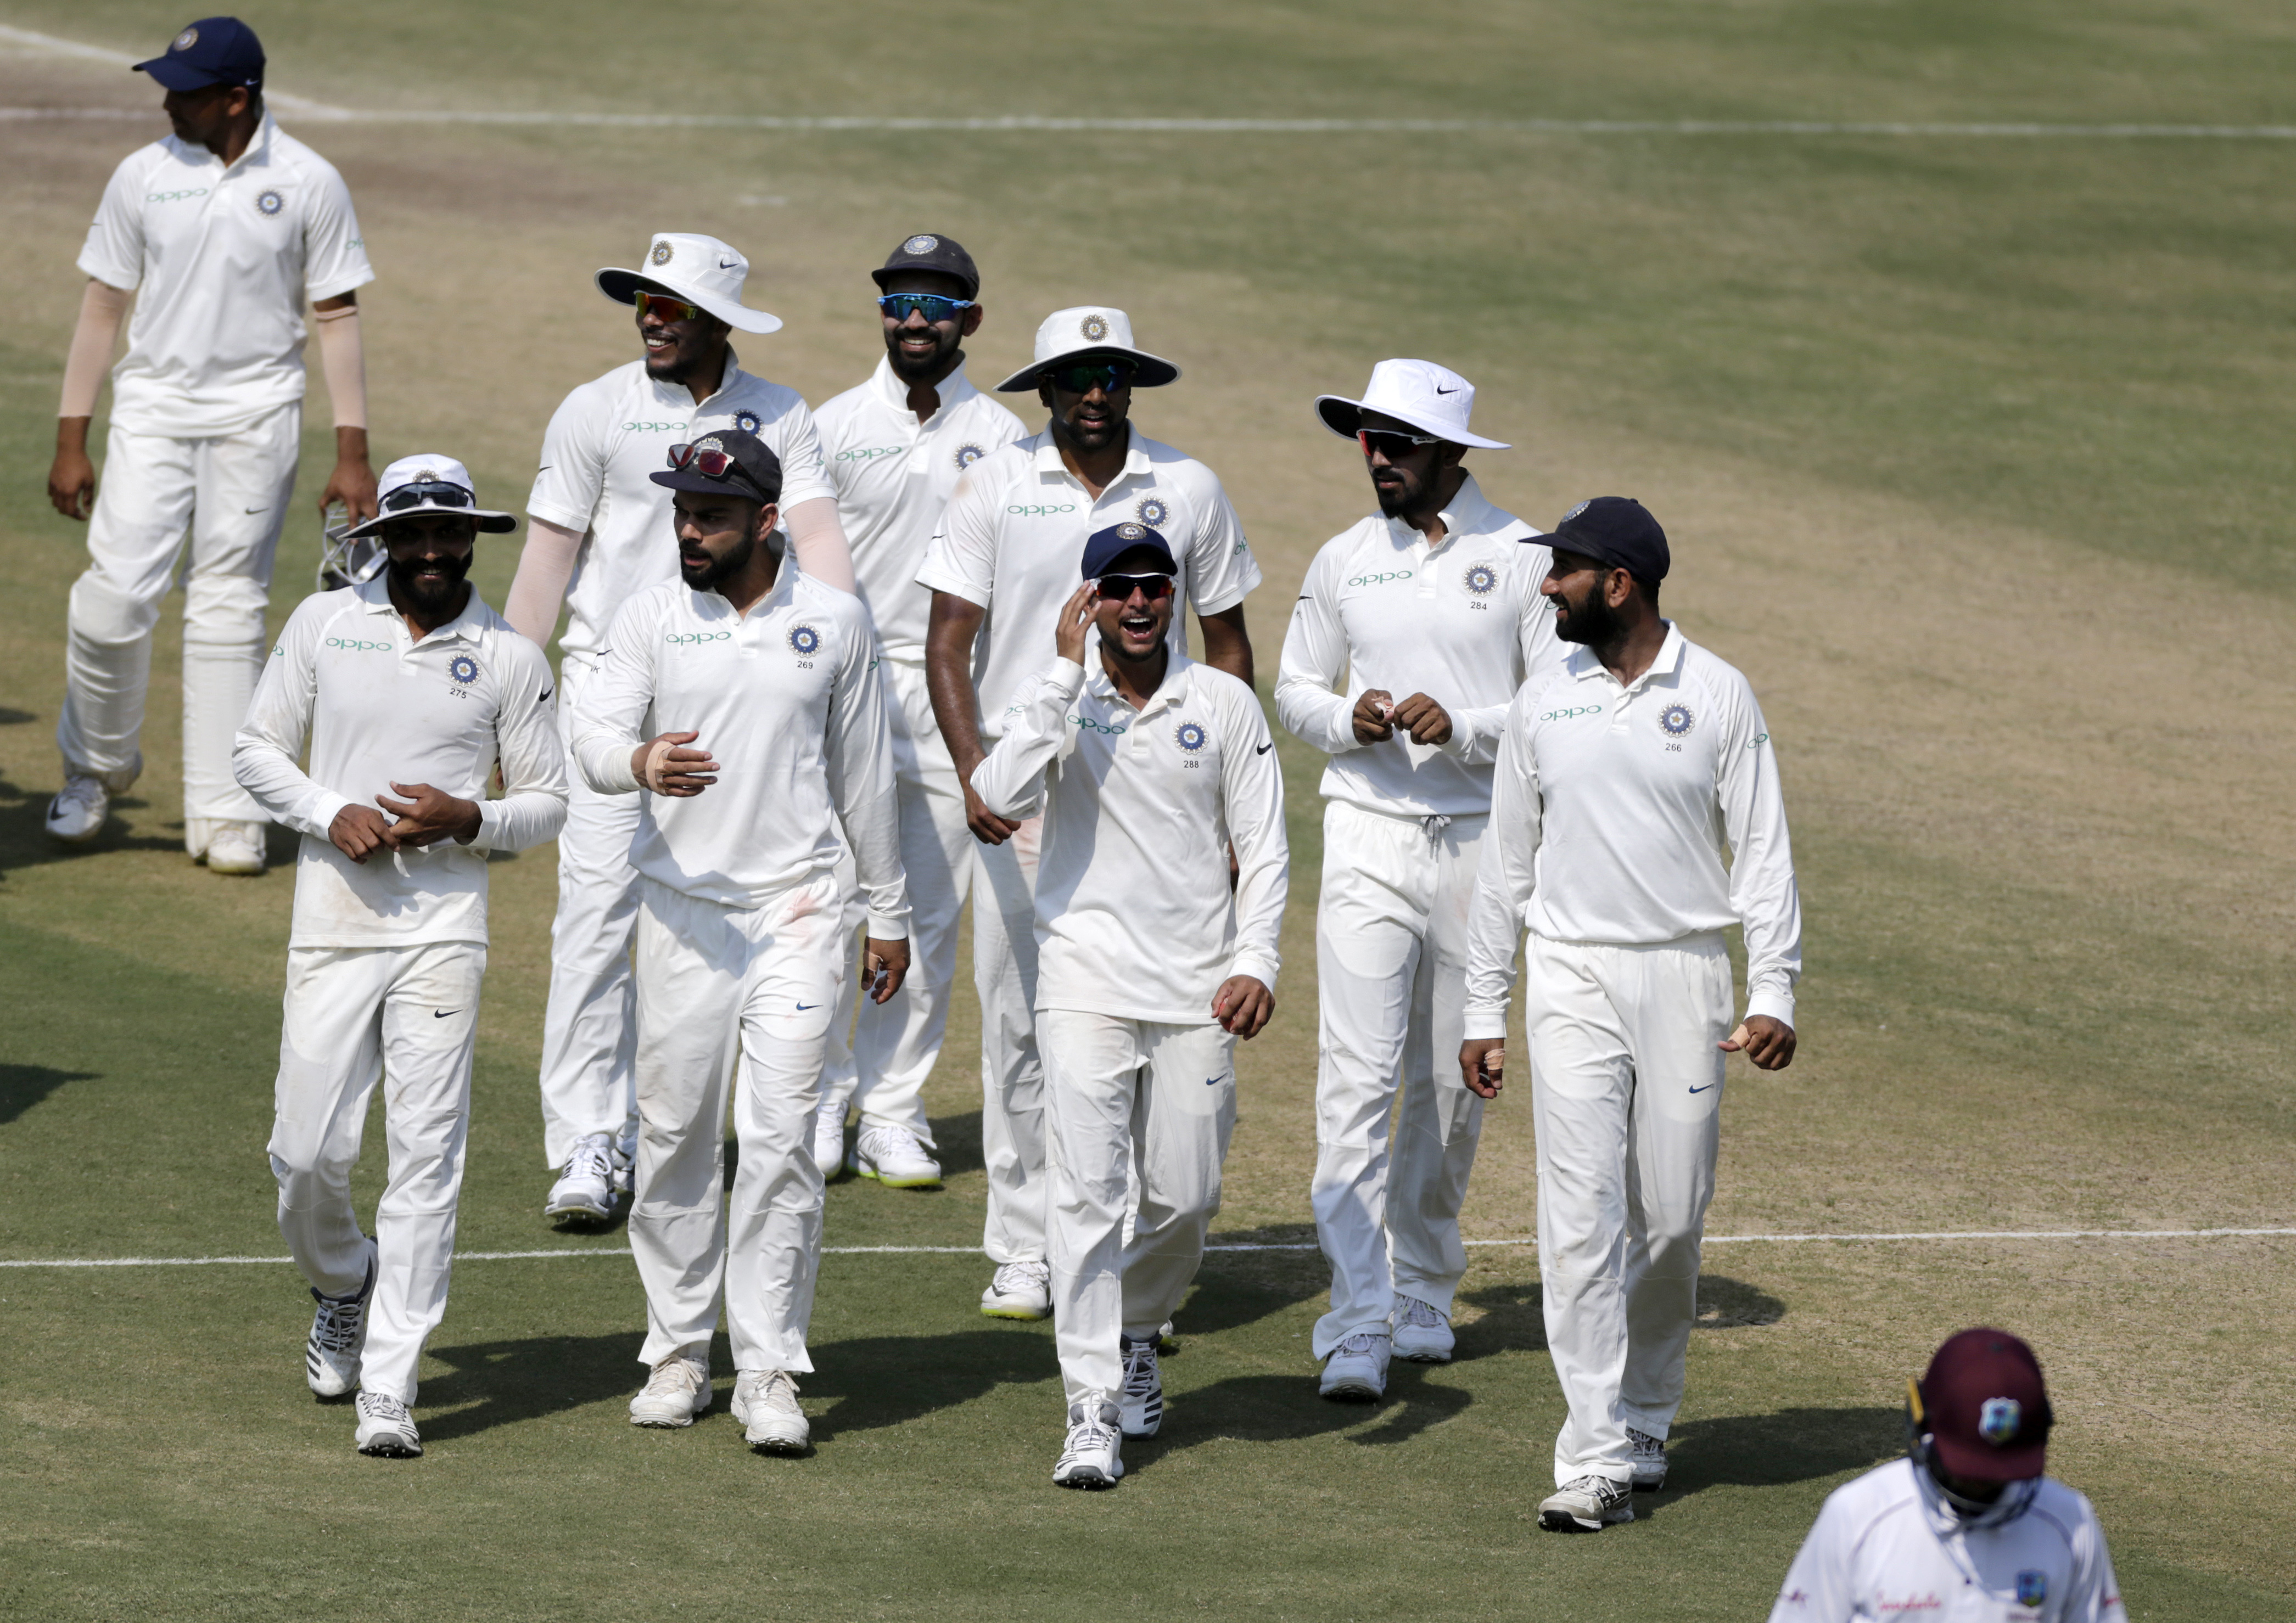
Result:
765,1400
236,848
337,1339
583,1195
385,1428
76,816
1355,1372
1587,1505
1649,1461
1018,1291
1422,1332
895,1158
1092,1457
829,1137
677,1391
1141,1404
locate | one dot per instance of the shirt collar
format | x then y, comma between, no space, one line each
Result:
1469,512
1583,664
1173,691
259,146
1047,455
374,597
682,396
954,389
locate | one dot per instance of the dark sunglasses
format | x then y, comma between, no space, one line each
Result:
933,307
1106,375
1392,443
665,307
712,465
427,495
1119,588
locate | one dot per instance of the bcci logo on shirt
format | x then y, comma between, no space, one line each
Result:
746,422
1482,580
464,670
270,204
805,640
1093,326
1190,737
968,455
1152,512
1675,720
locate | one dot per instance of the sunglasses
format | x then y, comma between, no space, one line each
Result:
933,307
1392,443
711,464
1108,376
665,307
427,495
1119,588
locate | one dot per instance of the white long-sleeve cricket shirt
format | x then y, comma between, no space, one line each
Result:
1613,810
377,706
1460,621
1134,913
788,701
1887,1547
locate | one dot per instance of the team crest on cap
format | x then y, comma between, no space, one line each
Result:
1575,512
270,202
1190,736
2032,1588
1132,532
662,253
746,422
185,40
1152,512
968,455
1999,1420
1482,580
805,639
711,444
1675,720
920,244
1093,326
464,669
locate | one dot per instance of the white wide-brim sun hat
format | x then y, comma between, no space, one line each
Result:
700,270
415,472
1090,331
1433,399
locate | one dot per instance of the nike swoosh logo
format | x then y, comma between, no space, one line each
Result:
258,509
545,467
443,1013
729,264
808,1005
545,697
1214,1081
1265,747
1710,1085
1441,390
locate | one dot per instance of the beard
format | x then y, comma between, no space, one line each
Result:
1398,502
922,369
704,576
1590,621
429,595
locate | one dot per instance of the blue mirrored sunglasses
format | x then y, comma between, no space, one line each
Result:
933,307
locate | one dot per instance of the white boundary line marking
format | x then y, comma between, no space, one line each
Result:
1025,123
967,1250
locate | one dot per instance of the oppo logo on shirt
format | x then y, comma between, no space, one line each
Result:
688,638
653,428
1085,724
173,197
870,453
1041,513
353,645
1575,710
1377,580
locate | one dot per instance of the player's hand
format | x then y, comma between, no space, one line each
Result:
359,831
1244,1005
1483,1065
428,816
884,966
1429,722
1372,717
353,481
72,483
667,767
987,826
1075,621
1768,1043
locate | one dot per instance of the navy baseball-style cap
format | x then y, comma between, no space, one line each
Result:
212,51
1105,547
927,251
724,462
1618,532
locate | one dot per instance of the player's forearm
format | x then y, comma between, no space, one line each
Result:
94,338
342,359
269,774
1228,645
601,755
948,677
1010,779
545,564
817,537
1475,734
521,819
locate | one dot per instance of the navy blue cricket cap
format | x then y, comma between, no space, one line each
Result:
1618,532
752,470
927,251
1105,547
212,51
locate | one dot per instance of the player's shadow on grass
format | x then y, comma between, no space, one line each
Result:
23,1086
1772,1450
498,1383
24,841
879,1382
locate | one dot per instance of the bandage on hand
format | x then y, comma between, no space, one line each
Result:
667,767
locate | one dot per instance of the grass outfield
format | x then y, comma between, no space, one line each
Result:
1974,451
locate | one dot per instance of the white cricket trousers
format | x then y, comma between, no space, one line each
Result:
407,1016
1625,1096
1125,1096
739,1001
589,1029
897,1043
231,493
1390,989
1012,1073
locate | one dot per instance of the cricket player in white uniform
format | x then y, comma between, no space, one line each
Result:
219,233
1003,563
1635,815
895,448
762,674
600,533
1966,1526
1412,633
409,692
1146,768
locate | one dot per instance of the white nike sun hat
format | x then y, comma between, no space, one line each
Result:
1433,399
428,483
1085,332
700,270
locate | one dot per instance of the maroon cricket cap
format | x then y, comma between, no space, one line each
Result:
1985,1408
